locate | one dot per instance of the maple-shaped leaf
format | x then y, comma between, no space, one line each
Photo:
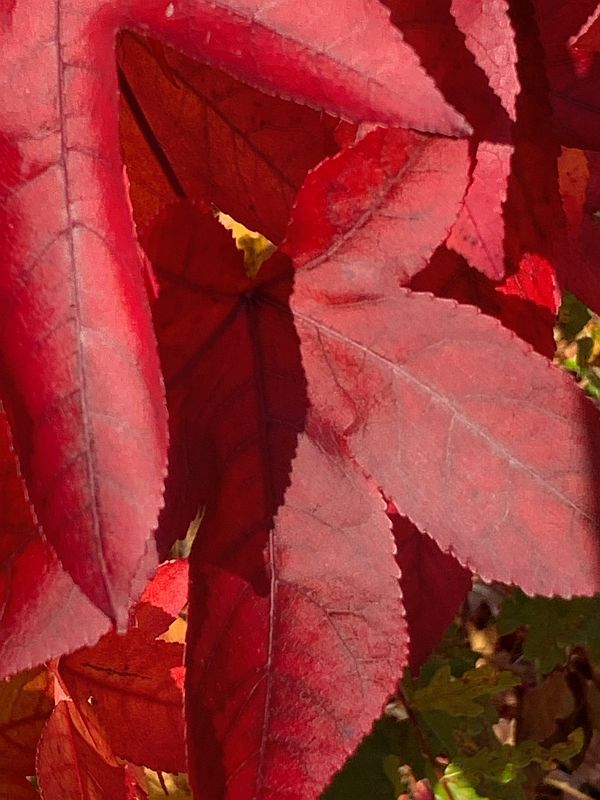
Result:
38,600
75,764
287,602
377,368
285,491
82,379
25,705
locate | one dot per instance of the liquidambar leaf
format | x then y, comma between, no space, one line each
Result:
82,374
38,599
287,598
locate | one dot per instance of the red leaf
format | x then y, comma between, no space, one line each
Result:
434,585
286,603
394,194
579,182
459,473
573,72
251,158
83,378
526,302
38,599
168,588
126,686
71,767
25,705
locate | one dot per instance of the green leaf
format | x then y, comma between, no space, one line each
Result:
573,316
459,697
554,625
369,773
500,772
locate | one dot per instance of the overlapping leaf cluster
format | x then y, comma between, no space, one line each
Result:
323,414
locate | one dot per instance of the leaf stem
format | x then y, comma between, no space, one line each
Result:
566,788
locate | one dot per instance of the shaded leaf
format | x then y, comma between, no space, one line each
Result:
459,696
554,625
25,705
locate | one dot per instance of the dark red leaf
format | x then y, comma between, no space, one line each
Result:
288,601
573,72
434,585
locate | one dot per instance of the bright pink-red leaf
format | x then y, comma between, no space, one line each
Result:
25,705
127,687
478,234
393,195
168,588
481,462
489,37
70,766
38,599
294,588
